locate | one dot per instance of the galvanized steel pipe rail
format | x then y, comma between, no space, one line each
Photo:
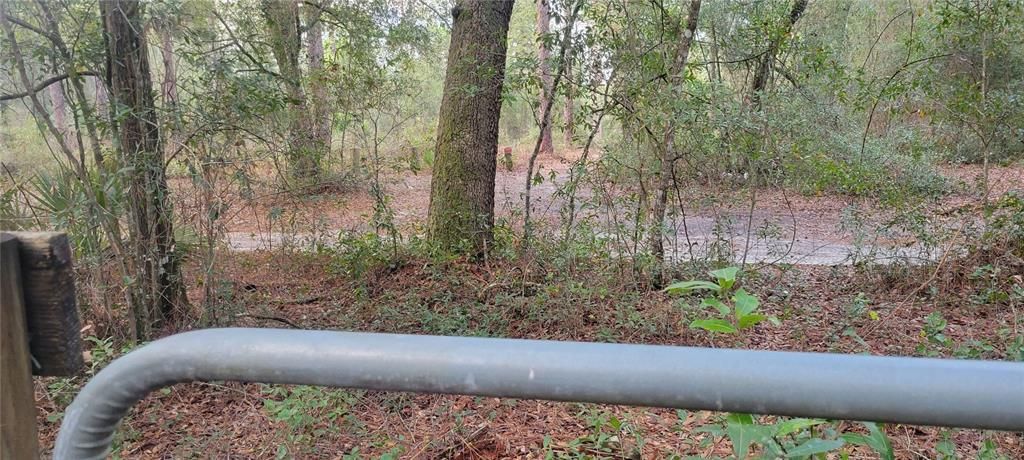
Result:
970,394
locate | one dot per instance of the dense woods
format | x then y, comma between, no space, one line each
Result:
555,169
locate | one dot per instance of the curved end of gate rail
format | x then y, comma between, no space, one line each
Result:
969,394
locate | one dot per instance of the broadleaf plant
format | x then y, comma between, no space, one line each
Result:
735,312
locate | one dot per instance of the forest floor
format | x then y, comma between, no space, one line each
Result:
267,281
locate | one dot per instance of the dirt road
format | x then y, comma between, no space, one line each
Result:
780,228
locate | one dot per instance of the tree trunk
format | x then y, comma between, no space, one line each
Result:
315,60
664,180
100,95
169,87
157,287
545,121
567,112
765,64
715,73
59,106
286,43
544,70
461,214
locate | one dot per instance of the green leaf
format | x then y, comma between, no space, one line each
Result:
716,304
876,440
750,320
738,417
745,303
946,449
726,276
815,446
742,431
684,287
795,425
713,325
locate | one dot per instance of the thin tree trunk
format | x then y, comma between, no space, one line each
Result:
461,214
318,90
545,121
664,180
169,87
716,66
567,112
985,152
544,71
157,285
59,107
87,114
100,95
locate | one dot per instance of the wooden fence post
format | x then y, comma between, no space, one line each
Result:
51,311
18,437
39,330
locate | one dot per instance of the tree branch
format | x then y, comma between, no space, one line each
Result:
25,25
41,86
241,49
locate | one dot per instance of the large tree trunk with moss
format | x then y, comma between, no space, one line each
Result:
461,216
157,288
304,153
670,152
544,71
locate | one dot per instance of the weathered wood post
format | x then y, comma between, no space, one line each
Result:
39,329
18,412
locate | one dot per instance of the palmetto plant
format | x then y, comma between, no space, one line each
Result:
66,205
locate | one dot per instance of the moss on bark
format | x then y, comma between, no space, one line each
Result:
461,216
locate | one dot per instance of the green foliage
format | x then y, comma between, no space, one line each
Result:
1002,241
308,413
875,439
609,437
974,94
64,389
62,200
736,313
798,438
936,343
356,256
